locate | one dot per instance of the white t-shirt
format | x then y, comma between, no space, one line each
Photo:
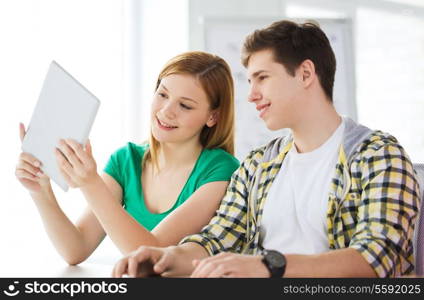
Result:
294,215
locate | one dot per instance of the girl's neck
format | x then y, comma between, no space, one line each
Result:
173,156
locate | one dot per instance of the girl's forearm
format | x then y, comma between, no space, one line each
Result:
123,230
65,236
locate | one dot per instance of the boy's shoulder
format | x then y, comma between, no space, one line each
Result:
377,141
360,142
268,151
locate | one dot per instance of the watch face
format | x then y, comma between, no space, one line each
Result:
275,259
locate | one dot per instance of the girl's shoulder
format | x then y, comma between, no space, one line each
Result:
218,156
131,149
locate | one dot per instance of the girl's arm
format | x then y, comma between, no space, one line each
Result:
73,242
79,168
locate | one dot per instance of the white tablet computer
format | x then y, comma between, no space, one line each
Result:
65,109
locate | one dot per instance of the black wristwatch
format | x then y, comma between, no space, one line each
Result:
275,262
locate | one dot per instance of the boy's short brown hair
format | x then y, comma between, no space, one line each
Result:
292,44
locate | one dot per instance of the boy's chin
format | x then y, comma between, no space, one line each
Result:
273,127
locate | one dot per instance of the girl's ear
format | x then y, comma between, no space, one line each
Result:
213,118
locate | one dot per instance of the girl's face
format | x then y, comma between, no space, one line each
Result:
180,110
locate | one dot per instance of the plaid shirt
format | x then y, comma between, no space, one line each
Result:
372,207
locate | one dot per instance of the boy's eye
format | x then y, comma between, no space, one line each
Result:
262,77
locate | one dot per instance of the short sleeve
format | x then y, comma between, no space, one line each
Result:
219,166
114,166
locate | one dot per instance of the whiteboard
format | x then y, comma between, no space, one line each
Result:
225,37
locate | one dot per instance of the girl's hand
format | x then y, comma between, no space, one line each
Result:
76,164
28,170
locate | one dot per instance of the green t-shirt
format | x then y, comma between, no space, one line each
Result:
125,167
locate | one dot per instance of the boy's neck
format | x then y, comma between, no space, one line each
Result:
316,126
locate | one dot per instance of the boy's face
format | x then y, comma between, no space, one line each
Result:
274,92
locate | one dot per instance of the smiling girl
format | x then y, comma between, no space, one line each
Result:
158,192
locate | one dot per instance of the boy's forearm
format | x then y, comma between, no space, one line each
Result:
338,263
193,251
186,254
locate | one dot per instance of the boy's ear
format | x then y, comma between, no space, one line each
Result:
213,119
307,69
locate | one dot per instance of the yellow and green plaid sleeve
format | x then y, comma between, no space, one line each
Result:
227,229
389,205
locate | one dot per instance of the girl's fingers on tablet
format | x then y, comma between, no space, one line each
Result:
88,148
29,159
23,165
21,131
69,154
62,162
78,150
22,174
66,170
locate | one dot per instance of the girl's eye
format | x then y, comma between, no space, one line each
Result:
262,77
162,95
185,106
